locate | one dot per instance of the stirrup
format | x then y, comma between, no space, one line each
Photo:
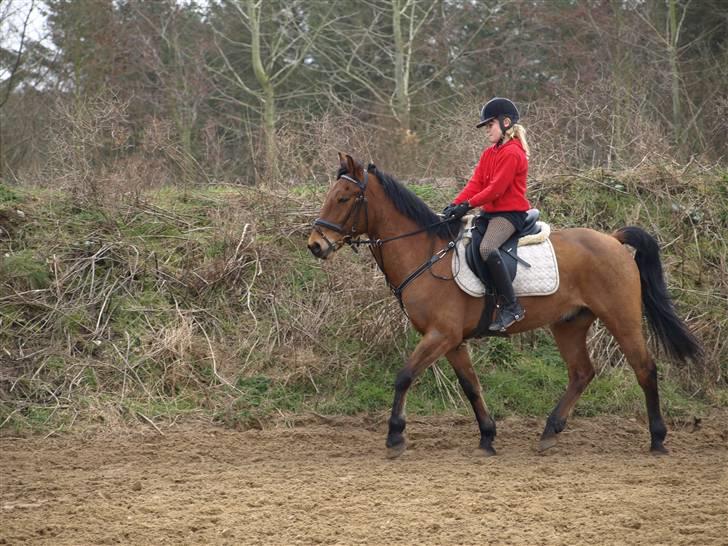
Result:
507,316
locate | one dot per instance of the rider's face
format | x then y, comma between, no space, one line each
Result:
493,129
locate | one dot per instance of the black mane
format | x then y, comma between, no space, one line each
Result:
414,208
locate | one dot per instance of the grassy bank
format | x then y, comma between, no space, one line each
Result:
205,302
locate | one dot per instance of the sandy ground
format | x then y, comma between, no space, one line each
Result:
326,481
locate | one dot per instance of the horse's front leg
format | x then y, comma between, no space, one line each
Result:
432,346
460,361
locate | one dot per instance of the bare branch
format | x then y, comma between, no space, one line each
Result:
19,55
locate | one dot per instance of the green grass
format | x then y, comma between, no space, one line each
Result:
25,270
8,195
132,313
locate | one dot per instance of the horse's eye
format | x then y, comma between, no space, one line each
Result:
343,199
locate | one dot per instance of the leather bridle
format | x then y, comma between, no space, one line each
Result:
359,202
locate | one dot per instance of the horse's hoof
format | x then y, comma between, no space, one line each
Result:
396,450
486,451
547,443
659,450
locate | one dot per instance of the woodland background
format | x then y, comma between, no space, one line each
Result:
161,161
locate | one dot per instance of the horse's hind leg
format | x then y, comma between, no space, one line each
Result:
570,336
630,338
460,361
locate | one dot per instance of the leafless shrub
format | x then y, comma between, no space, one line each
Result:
95,153
84,136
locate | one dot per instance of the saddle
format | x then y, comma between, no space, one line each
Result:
508,250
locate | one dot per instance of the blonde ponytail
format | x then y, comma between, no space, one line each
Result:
519,132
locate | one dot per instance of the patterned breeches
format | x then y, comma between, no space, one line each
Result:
498,232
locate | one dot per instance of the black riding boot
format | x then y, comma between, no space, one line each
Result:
510,311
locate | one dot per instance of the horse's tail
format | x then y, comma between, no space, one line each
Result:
671,332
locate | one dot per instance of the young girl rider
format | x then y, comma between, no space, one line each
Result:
498,187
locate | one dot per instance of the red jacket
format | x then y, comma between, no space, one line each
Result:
499,181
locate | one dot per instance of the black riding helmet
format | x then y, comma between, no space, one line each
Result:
498,108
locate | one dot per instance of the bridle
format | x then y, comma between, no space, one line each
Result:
359,202
353,242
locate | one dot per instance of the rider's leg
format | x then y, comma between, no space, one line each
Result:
498,232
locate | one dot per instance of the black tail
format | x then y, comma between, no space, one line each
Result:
671,332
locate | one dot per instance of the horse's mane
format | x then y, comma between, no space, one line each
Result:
406,202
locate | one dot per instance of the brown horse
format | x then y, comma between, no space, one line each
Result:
599,278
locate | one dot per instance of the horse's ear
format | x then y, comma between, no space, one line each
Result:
342,159
351,165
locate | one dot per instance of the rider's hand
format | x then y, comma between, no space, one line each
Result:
455,212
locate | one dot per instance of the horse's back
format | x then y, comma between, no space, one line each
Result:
596,269
579,248
584,236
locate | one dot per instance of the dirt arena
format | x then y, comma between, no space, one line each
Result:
326,481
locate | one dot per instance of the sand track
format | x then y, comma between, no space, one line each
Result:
327,481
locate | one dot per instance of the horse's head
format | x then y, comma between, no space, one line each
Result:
343,215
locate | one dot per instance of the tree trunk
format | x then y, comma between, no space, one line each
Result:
268,99
674,72
401,70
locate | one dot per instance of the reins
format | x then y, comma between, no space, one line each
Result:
378,243
436,257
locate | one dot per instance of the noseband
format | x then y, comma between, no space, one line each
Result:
360,201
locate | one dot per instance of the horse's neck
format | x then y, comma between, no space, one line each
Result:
399,257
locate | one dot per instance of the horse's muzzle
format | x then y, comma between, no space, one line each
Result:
316,249
319,251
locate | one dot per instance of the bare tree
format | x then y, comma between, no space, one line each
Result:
6,12
173,44
277,38
665,19
398,53
9,11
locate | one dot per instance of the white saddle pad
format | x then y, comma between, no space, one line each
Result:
541,279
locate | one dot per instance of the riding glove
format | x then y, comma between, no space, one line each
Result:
455,212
